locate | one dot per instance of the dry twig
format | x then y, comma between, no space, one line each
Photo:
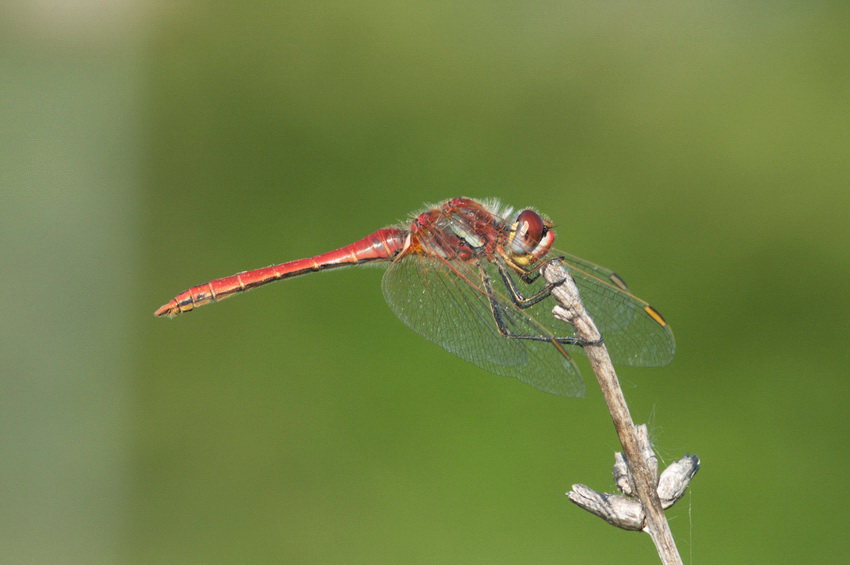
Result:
641,465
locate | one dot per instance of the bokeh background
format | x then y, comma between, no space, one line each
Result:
699,149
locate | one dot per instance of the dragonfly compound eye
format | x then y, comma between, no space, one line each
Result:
527,233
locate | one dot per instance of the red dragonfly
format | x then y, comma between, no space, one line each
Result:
465,275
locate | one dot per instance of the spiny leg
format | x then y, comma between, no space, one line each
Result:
516,296
499,313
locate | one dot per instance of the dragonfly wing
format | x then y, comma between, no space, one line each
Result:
450,304
634,332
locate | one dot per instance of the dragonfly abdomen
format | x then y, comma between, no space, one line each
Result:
382,245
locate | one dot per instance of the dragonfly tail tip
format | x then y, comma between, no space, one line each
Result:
167,310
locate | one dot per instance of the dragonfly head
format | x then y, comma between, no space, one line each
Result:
531,238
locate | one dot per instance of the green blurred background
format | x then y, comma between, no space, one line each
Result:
700,149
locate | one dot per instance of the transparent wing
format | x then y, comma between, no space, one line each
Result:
634,332
451,304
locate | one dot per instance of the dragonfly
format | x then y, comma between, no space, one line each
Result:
465,274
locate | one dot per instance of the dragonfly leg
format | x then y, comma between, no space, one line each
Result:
522,302
516,296
533,275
